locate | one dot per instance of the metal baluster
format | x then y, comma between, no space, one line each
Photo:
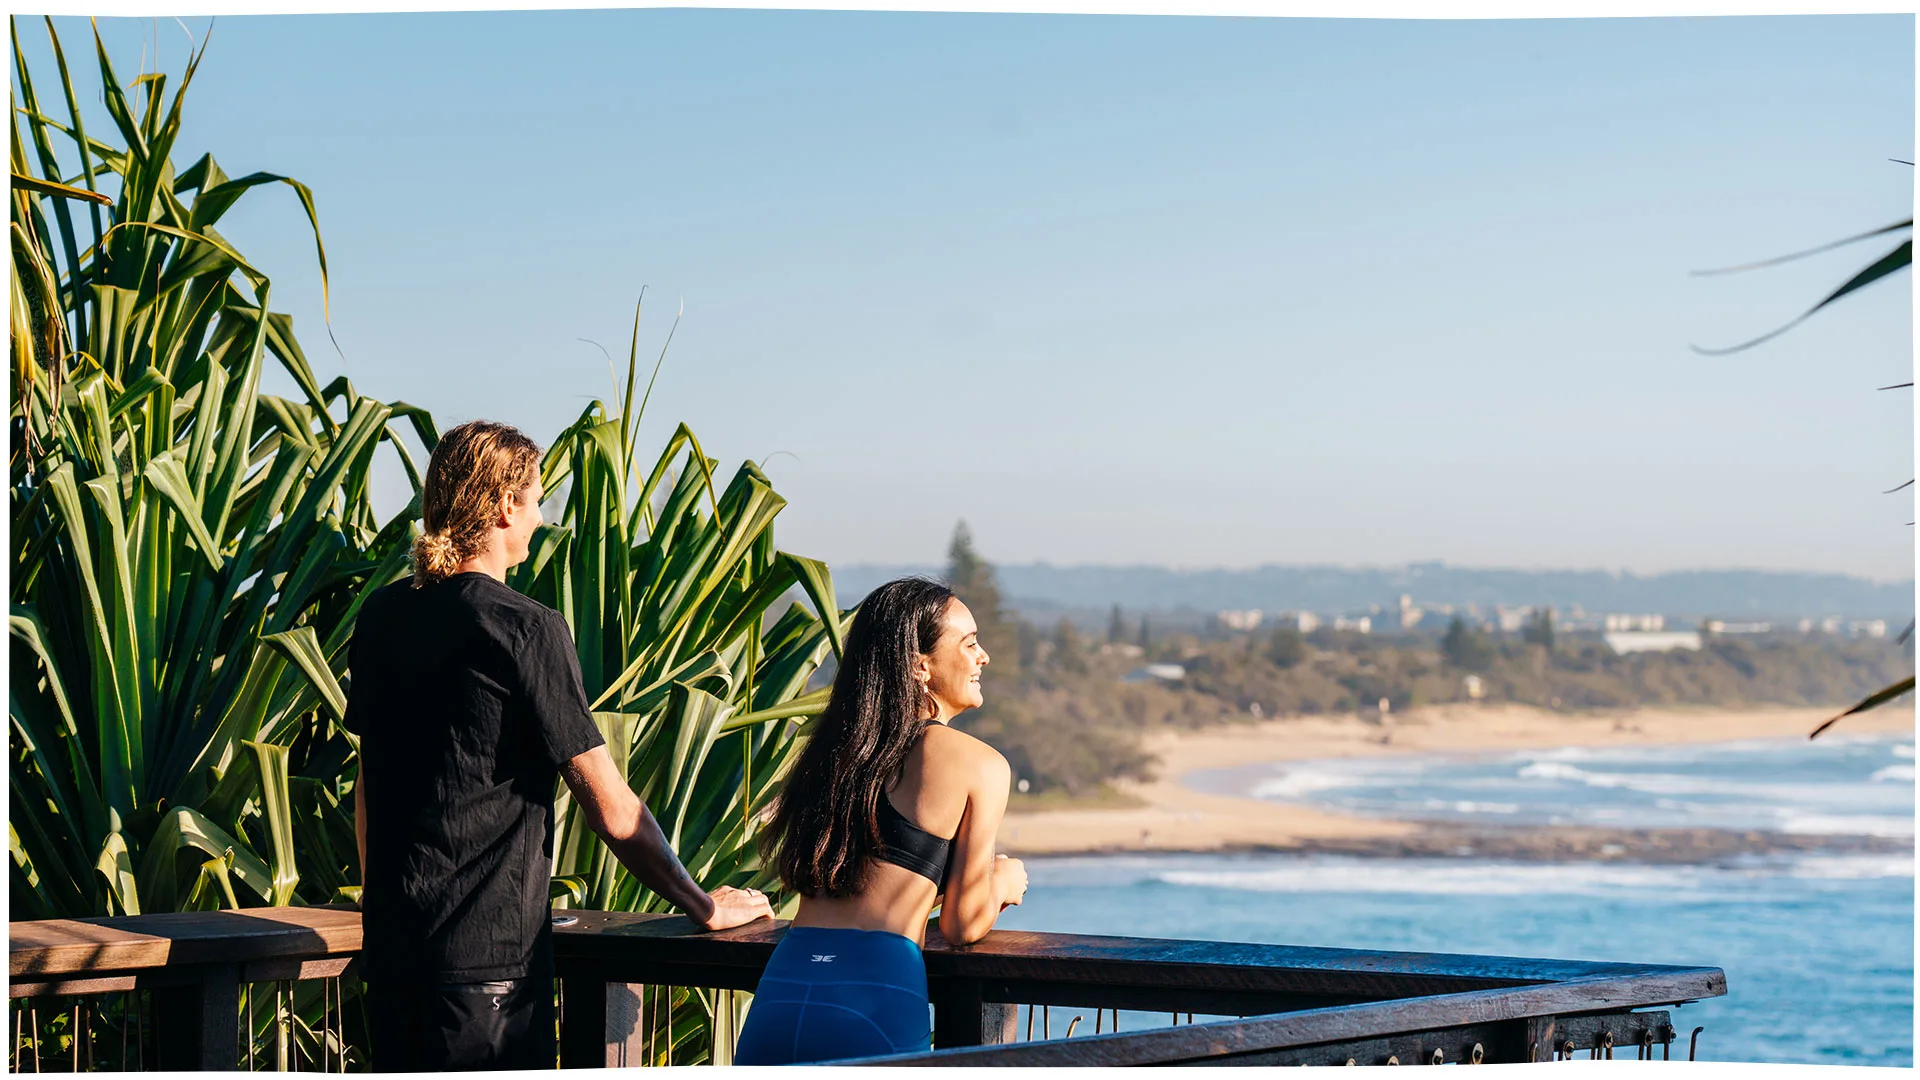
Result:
76,1036
1070,1026
1098,1016
669,1027
1029,1021
33,1022
247,988
340,1010
1046,1021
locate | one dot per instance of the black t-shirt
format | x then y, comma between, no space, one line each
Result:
467,699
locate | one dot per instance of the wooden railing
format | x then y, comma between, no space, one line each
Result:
1280,1004
187,985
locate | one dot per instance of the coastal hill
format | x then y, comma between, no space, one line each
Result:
1043,589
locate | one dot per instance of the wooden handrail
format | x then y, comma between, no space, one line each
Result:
1291,997
133,942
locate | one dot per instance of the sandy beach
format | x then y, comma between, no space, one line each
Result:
1175,817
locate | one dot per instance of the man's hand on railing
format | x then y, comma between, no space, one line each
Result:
734,907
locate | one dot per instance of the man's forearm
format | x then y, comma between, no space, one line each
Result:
645,854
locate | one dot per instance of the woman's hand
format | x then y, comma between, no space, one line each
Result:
1010,875
734,907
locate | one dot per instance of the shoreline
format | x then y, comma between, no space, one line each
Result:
1175,817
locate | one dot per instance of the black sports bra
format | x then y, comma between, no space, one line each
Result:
907,845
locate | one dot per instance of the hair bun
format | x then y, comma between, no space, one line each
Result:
434,558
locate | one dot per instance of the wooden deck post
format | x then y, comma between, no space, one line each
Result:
584,1024
962,1018
197,1026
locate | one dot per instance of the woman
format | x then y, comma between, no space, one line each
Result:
887,813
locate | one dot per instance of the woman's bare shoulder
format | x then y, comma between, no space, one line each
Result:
963,753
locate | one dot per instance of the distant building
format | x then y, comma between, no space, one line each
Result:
1632,641
1121,648
1476,687
1511,620
1717,626
1363,624
1410,615
1157,673
1616,623
1304,621
1240,620
1868,628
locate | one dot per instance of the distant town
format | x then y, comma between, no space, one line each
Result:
1633,612
1622,632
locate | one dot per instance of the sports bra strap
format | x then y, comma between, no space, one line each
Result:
910,847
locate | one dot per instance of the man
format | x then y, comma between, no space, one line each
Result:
468,701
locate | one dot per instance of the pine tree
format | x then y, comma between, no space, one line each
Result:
971,578
1116,627
1539,629
1465,649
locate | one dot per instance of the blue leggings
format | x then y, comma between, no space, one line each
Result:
830,993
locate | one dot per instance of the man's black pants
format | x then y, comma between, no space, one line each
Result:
501,1025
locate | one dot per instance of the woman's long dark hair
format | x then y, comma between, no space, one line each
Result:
826,823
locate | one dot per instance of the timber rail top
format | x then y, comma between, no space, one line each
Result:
1008,965
631,943
69,947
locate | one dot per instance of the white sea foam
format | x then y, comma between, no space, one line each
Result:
1469,806
1853,867
1299,781
1894,774
1845,824
1679,784
1439,878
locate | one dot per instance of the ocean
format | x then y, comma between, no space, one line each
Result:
1818,947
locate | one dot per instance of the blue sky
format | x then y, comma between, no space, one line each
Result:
1181,291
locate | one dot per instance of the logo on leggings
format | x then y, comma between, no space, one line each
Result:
827,959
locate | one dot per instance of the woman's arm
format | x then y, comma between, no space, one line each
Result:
981,883
634,837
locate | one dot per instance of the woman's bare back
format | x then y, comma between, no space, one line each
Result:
938,786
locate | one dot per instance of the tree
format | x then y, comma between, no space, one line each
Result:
1066,647
1116,627
1465,648
972,579
1288,647
1146,634
1539,629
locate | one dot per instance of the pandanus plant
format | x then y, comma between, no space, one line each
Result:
187,552
695,654
189,555
1899,258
